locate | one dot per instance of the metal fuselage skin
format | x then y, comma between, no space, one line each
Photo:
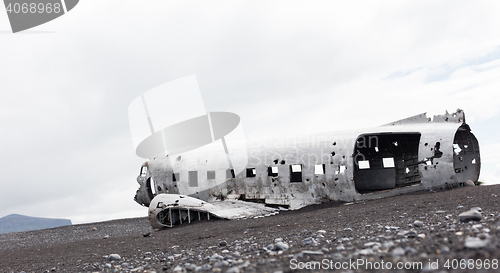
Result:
405,156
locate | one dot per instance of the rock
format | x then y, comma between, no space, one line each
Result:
190,267
106,237
444,249
471,215
398,252
222,243
281,246
474,242
233,269
221,264
410,250
179,269
309,241
483,236
387,244
391,228
460,207
205,267
146,234
366,251
94,229
418,223
308,253
402,233
114,257
440,211
216,257
469,183
411,234
107,265
370,244
477,209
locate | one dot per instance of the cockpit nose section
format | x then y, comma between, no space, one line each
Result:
147,189
466,156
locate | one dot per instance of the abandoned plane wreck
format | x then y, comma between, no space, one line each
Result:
408,155
215,173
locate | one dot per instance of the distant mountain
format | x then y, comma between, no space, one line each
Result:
16,222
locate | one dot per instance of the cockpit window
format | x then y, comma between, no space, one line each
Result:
144,171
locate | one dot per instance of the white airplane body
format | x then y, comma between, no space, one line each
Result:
409,155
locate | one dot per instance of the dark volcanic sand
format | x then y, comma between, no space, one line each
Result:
365,230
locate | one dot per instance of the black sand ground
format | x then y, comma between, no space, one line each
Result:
371,231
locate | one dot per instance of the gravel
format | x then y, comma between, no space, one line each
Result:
432,229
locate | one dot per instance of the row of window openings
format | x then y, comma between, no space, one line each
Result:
295,170
388,162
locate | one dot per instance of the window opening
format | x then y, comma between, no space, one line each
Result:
388,162
251,172
272,171
363,164
210,174
319,169
193,178
144,171
296,173
230,173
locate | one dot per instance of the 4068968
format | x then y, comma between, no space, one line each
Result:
34,8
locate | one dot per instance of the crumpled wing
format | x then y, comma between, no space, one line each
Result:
168,210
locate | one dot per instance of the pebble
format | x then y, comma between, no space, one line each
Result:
216,257
474,242
398,252
418,223
114,257
233,269
444,249
280,246
309,241
471,215
366,251
179,269
469,183
410,250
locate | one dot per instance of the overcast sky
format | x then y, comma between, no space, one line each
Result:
285,67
